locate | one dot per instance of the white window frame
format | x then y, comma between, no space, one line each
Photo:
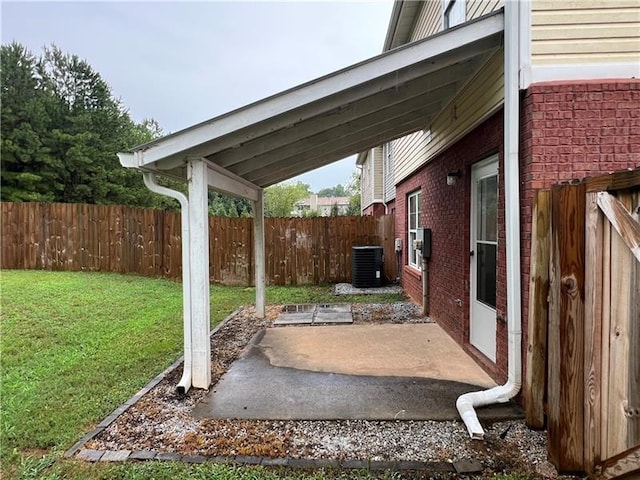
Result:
413,223
454,12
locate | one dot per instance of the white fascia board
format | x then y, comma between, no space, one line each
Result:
598,71
128,160
224,181
316,90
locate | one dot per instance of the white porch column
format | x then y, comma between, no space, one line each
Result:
258,232
199,263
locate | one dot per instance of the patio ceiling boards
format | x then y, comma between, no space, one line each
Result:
325,120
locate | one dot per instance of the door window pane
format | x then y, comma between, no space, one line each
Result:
486,274
487,220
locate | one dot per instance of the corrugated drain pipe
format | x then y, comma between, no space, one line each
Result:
503,393
150,181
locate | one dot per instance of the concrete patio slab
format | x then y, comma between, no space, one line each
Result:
375,372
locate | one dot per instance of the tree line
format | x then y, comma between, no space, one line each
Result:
62,127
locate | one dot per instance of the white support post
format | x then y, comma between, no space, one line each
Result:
258,232
199,263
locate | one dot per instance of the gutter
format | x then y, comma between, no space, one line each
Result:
467,403
150,181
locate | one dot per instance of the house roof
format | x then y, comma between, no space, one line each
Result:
330,201
322,121
325,201
401,23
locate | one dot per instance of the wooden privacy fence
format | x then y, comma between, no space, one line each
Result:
586,263
109,238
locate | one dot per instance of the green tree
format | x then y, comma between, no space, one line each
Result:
29,171
353,191
61,130
280,199
337,191
227,206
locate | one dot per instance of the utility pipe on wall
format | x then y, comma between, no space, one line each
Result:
150,181
425,287
466,403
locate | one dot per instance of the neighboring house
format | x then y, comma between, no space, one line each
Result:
578,65
321,205
371,182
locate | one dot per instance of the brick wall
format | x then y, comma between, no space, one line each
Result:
375,209
567,130
445,209
573,130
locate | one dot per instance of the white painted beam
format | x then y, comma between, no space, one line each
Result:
259,253
199,264
224,181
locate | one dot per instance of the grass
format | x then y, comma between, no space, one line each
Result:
76,345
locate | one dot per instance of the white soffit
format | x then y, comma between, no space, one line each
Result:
325,120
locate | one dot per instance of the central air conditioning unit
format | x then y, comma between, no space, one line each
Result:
366,266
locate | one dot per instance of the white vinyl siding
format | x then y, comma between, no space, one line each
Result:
387,173
371,182
481,97
366,182
414,207
478,8
585,32
378,181
412,151
429,20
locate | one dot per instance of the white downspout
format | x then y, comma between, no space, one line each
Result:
150,181
503,393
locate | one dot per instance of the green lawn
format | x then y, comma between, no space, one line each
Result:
74,346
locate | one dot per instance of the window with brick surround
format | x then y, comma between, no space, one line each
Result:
414,201
454,12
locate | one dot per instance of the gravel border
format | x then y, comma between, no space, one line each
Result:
134,399
438,449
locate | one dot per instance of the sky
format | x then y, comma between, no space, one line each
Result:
185,62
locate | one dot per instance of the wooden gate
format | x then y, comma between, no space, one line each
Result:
591,330
612,328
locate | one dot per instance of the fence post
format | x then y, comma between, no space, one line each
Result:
535,379
566,329
594,254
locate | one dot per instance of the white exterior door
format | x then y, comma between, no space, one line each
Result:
483,255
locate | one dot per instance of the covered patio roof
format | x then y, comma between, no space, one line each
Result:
325,120
312,125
